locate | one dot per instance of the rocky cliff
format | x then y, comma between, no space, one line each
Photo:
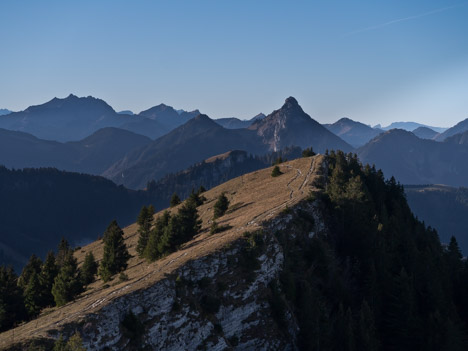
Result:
216,293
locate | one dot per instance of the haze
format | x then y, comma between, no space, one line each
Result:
372,61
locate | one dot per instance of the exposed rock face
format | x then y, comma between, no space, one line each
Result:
213,303
291,126
217,302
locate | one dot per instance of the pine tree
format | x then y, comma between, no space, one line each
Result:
63,250
196,198
115,255
276,172
60,344
67,284
175,200
47,276
185,225
366,335
152,251
12,309
144,221
33,266
32,295
75,343
89,269
308,152
221,206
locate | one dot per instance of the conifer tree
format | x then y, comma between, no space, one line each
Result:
67,284
32,295
115,255
144,221
47,276
152,250
12,309
60,344
75,343
89,269
196,198
33,266
276,172
308,152
185,224
366,335
175,200
62,252
221,206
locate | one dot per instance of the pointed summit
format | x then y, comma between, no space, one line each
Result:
291,126
291,102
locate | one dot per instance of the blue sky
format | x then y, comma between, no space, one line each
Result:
373,61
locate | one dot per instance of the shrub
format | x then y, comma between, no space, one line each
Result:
221,206
276,172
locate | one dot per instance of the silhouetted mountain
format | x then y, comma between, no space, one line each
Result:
456,129
39,206
425,133
233,123
461,139
4,112
212,172
75,118
443,208
168,116
236,123
291,126
192,142
354,133
409,126
91,155
417,161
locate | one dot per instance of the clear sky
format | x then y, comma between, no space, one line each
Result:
373,61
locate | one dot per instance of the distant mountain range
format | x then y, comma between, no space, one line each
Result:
458,128
354,133
168,117
425,133
92,155
202,137
409,126
74,118
192,142
236,123
416,161
4,112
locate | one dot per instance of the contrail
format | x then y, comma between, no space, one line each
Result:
403,20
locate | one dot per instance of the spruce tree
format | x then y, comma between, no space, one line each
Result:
67,284
308,152
221,206
175,200
32,295
89,269
144,221
152,250
185,225
63,250
33,266
276,172
47,276
115,255
75,343
12,309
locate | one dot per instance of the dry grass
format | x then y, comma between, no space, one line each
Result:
254,198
